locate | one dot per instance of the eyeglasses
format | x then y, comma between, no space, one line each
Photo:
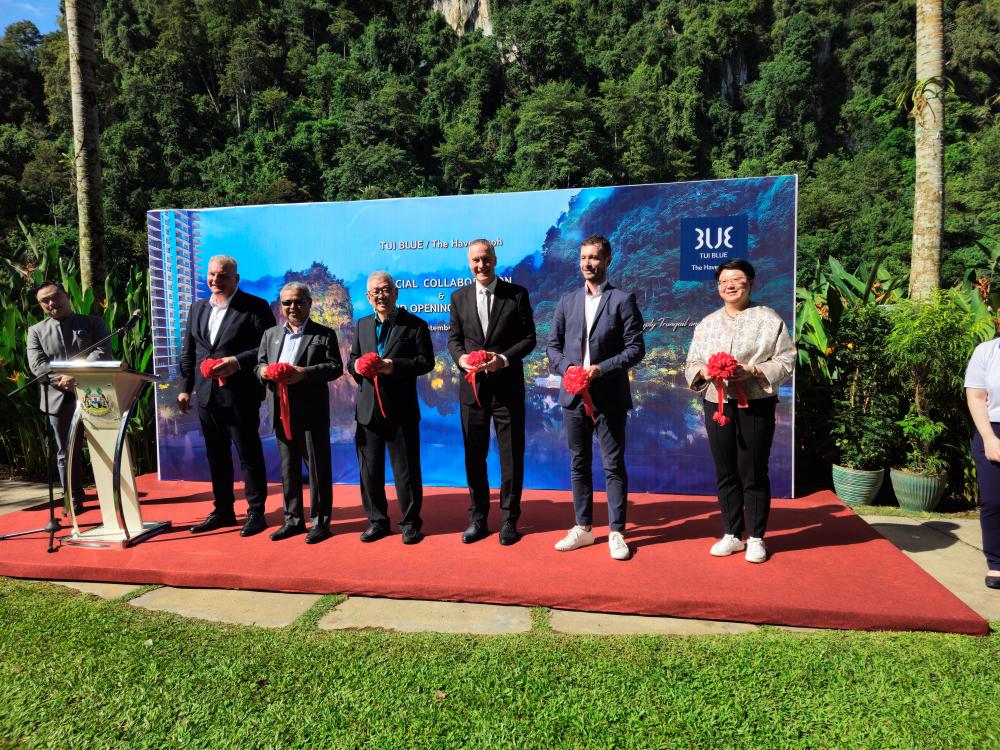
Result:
290,302
733,282
382,291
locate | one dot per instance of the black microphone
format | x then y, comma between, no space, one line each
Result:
131,322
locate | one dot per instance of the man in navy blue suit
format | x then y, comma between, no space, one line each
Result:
599,328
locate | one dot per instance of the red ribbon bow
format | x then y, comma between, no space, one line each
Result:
477,358
722,366
207,366
576,381
279,372
365,367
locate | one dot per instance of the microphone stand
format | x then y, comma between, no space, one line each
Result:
53,526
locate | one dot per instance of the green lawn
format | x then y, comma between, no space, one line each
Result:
82,673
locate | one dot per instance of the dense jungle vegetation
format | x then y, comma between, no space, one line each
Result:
222,102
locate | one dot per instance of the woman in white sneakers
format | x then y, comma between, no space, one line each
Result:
757,338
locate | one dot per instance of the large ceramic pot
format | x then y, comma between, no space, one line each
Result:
857,486
916,492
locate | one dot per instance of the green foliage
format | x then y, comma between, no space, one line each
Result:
865,395
928,348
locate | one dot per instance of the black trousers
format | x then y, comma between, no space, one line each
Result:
610,429
403,442
508,420
741,451
312,446
988,474
222,428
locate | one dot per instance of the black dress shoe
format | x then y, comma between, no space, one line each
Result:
254,524
993,582
374,532
412,536
474,533
318,534
288,530
509,534
213,522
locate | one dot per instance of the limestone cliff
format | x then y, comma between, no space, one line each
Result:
466,15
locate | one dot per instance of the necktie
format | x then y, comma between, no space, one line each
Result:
484,309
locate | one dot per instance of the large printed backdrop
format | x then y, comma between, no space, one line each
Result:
666,238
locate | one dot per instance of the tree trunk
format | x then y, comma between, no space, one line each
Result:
86,143
928,196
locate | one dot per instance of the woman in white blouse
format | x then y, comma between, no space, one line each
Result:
758,338
982,393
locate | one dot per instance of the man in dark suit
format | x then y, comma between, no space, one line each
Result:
597,327
494,316
228,326
63,334
312,351
402,342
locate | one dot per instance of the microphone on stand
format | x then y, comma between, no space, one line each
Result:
132,321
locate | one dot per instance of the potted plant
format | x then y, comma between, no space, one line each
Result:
865,404
927,349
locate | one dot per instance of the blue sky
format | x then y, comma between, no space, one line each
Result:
42,13
269,240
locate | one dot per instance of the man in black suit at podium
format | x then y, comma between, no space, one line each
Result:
228,326
492,315
390,417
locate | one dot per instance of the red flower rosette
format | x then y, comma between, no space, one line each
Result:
207,366
279,372
365,367
477,358
721,366
576,381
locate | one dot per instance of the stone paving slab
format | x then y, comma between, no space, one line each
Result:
17,495
593,623
416,616
959,567
267,609
966,530
101,590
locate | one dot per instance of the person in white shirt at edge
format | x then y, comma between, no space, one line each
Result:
758,338
982,392
598,327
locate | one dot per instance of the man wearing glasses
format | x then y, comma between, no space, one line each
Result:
312,352
227,327
63,334
387,410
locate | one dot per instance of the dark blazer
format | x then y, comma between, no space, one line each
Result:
616,344
319,356
239,336
45,343
412,353
511,333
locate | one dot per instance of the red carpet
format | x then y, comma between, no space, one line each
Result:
828,567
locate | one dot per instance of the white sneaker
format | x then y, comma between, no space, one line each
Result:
616,543
727,546
575,538
756,551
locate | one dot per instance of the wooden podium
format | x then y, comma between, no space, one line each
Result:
106,394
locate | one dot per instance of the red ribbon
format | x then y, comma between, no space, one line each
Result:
576,381
477,358
279,372
365,367
207,366
721,366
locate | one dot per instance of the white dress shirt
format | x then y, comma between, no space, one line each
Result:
290,344
590,304
484,302
216,315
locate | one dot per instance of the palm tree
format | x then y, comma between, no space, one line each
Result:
928,112
80,17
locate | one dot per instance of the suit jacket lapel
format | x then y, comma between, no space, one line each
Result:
499,296
473,306
393,334
230,315
605,296
304,343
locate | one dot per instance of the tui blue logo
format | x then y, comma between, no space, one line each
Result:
707,241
